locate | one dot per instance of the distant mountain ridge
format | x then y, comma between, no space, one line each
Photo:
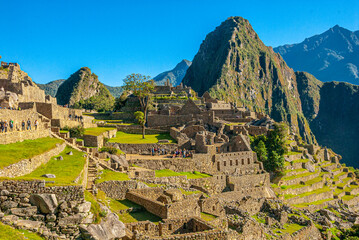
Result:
50,88
329,56
175,75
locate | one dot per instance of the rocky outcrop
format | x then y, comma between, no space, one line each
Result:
109,228
233,64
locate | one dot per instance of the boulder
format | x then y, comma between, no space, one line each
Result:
70,153
9,219
4,192
24,212
109,228
49,175
83,207
47,203
61,158
72,220
8,205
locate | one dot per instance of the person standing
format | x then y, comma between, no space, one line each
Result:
28,124
23,125
36,123
11,125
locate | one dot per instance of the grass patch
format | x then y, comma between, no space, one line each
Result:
292,153
189,192
317,191
190,175
259,219
109,175
139,216
298,176
95,207
117,205
15,152
7,232
97,131
207,216
122,137
66,171
303,205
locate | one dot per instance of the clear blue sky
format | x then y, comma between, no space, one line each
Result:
53,38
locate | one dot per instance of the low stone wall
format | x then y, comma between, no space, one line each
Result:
303,189
93,141
256,192
306,233
154,207
142,148
212,185
299,179
26,166
117,189
19,136
238,183
63,193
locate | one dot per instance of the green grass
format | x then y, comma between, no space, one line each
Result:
95,207
7,232
15,152
291,228
122,137
292,153
207,216
307,183
64,131
317,191
97,131
139,216
109,175
259,219
349,197
190,175
300,161
189,192
117,205
303,205
298,176
66,171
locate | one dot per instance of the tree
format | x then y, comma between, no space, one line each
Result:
142,87
141,120
261,151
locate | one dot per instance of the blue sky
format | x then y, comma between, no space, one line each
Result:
53,38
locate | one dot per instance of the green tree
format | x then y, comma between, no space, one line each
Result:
140,117
142,87
261,151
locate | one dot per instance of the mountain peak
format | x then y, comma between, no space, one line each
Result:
175,75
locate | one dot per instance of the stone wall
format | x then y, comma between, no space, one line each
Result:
26,166
19,136
142,148
241,162
238,183
212,185
63,193
93,141
117,189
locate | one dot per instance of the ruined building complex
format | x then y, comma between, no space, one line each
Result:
201,179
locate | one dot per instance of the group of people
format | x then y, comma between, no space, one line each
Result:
10,108
10,126
76,118
182,153
158,151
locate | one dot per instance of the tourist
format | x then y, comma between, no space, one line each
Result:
23,125
5,125
28,124
153,151
36,123
2,126
11,125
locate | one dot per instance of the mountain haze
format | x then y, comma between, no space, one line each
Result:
175,75
330,56
50,88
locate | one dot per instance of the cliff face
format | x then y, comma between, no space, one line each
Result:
80,86
330,56
175,75
233,64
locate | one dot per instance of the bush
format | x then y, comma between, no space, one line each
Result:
110,150
77,132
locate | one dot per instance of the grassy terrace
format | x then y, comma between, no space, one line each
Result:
303,205
109,175
207,216
97,131
317,191
15,152
122,137
190,175
7,232
66,171
298,176
292,153
289,228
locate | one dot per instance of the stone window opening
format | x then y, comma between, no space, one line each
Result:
185,226
224,163
214,208
249,161
170,226
230,162
146,227
242,161
237,162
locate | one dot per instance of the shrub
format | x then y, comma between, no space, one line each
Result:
77,132
110,150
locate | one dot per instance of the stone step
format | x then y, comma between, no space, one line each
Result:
313,196
293,180
314,184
